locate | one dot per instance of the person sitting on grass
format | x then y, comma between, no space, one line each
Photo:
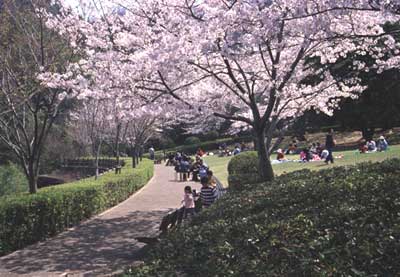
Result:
237,150
371,145
211,179
200,152
195,169
363,148
324,154
313,149
207,193
280,156
188,202
203,171
382,144
305,155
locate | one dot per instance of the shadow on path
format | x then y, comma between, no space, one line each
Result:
106,243
98,245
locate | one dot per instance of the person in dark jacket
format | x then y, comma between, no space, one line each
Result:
329,144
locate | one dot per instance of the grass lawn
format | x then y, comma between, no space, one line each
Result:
219,164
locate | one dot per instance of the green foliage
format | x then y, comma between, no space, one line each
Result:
243,169
167,143
27,219
208,145
211,135
192,140
342,221
12,180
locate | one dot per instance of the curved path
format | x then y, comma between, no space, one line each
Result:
106,243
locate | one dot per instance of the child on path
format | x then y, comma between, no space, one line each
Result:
188,201
207,193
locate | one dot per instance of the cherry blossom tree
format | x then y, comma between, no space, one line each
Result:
213,57
91,124
27,108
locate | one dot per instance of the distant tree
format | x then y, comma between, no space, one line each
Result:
377,107
27,109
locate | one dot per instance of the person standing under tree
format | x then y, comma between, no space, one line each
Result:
151,152
329,144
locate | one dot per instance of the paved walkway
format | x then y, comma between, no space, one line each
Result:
106,243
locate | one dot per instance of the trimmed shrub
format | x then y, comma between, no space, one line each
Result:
192,140
342,221
243,169
27,219
166,142
12,180
206,145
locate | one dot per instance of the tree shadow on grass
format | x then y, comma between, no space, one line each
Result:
100,245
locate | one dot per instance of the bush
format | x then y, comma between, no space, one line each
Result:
167,143
12,180
192,140
243,169
27,219
211,135
208,145
336,222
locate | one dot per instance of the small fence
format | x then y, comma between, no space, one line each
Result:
90,163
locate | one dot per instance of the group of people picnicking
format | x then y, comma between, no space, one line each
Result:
370,146
186,167
317,151
223,149
314,152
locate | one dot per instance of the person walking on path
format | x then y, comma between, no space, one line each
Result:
329,144
151,153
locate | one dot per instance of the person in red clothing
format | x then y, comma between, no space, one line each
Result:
200,152
280,156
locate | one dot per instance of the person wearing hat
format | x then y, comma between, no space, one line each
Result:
382,144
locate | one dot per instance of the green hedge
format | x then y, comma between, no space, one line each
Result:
243,169
206,146
27,219
342,221
12,180
192,140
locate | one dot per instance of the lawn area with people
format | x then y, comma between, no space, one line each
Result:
351,157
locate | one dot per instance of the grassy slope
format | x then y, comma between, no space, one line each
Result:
219,164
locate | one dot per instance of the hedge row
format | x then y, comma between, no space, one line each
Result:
90,162
27,219
342,221
206,145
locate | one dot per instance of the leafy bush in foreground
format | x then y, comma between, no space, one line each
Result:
336,222
243,169
27,219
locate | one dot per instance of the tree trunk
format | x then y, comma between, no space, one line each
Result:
32,177
117,143
137,156
255,146
133,157
97,161
265,168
